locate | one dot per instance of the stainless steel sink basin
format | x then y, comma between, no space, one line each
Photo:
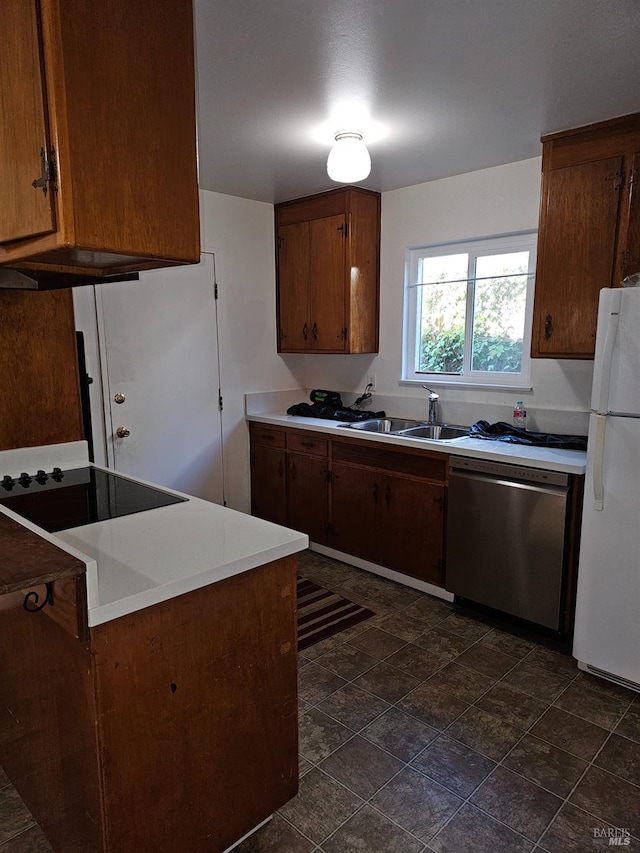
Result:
411,429
436,432
394,425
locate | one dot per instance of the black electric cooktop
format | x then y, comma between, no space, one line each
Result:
58,500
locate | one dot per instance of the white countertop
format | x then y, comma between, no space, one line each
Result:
549,458
155,555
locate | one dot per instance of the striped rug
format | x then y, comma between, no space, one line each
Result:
322,613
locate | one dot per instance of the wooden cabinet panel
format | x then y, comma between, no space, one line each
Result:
355,494
293,259
25,210
307,443
327,283
576,255
268,436
38,370
589,234
307,496
328,272
630,256
121,116
380,503
268,484
413,528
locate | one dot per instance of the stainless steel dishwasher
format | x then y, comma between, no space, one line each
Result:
506,538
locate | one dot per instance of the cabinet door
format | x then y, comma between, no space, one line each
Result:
629,258
25,210
412,525
268,484
307,495
327,247
576,255
294,332
355,495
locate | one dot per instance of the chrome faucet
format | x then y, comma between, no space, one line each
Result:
433,405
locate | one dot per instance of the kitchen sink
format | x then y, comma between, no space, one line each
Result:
436,432
394,425
411,429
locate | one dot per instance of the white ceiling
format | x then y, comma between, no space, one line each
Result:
438,87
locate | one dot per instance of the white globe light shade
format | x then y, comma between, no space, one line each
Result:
349,160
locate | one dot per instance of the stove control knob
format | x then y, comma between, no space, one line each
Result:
41,477
57,474
123,432
7,482
24,479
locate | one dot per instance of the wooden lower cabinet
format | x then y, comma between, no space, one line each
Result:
307,506
412,528
371,500
394,521
268,479
172,728
354,511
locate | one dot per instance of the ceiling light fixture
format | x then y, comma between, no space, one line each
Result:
349,160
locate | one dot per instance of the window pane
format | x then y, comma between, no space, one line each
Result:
443,268
499,312
442,317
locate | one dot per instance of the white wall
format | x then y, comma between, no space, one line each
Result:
240,233
483,203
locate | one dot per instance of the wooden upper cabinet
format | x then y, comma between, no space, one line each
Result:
24,142
98,111
589,234
328,272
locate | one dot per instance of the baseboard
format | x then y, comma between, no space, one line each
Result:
398,577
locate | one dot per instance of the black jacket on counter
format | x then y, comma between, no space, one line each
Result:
512,435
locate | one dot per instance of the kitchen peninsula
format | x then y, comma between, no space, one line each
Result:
155,700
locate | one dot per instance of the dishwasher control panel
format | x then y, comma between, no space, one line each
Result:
502,470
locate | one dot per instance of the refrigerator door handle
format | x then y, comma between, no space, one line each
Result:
602,366
598,456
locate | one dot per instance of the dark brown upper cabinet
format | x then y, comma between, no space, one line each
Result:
97,139
589,234
328,272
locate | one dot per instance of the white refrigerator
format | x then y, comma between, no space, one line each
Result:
607,624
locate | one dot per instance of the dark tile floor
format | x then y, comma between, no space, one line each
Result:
423,729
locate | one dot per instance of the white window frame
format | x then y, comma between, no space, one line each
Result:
517,241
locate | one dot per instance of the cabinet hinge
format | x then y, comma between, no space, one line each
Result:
48,172
632,178
215,289
345,229
220,403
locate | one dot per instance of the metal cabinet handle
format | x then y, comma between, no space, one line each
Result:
314,331
387,496
305,331
548,327
293,470
375,491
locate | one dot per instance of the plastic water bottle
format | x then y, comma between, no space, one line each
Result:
519,415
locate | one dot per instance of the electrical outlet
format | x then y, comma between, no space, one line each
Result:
371,380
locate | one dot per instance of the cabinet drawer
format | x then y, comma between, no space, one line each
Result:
419,464
267,436
307,443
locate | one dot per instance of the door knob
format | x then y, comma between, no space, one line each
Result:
119,398
123,432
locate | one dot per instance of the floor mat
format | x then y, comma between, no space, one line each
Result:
322,613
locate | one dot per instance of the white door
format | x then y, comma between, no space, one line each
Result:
159,354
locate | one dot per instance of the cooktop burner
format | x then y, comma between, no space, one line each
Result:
60,499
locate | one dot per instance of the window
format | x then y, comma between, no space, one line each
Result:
468,309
